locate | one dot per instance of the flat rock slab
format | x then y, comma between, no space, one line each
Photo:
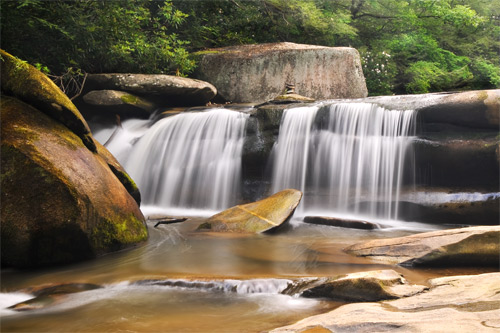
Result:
167,88
340,222
256,217
258,73
452,304
474,246
356,287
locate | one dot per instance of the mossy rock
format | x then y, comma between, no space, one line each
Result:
260,216
119,172
28,84
60,202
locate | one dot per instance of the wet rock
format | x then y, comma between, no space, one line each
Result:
255,217
340,222
290,98
51,295
316,71
359,287
28,84
120,102
162,89
478,109
474,246
452,304
119,172
61,203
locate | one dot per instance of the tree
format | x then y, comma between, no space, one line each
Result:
96,36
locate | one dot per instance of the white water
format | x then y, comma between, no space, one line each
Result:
190,160
353,164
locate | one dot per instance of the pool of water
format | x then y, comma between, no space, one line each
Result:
183,280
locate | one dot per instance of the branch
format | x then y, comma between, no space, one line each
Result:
81,87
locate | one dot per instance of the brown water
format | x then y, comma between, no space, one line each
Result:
245,272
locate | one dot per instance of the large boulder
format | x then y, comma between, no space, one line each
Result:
25,82
160,88
258,73
452,304
473,246
477,109
60,202
255,217
120,102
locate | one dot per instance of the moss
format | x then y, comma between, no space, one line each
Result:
113,236
25,82
482,95
127,182
205,226
129,99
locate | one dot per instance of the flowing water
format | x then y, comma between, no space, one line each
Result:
184,280
347,158
190,160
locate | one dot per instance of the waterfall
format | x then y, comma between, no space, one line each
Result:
190,160
347,158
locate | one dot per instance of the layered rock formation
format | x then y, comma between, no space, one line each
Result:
452,304
64,198
138,95
474,246
258,73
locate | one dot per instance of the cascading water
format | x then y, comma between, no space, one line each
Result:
352,162
190,160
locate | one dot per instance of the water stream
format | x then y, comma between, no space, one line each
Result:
183,280
348,158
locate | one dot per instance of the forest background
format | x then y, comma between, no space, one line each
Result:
406,46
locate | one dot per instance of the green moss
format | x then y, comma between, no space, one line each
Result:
129,99
25,82
205,226
112,236
482,95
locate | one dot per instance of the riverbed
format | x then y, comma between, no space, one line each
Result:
185,280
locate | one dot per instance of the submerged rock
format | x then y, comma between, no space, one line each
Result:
452,304
165,89
25,82
60,202
340,222
474,246
259,216
357,287
119,102
50,295
319,72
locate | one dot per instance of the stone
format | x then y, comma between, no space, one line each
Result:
341,222
473,246
120,102
61,203
290,98
119,172
478,109
162,89
256,217
452,304
369,286
50,295
258,73
28,84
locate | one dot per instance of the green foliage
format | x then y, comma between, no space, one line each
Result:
96,36
407,46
